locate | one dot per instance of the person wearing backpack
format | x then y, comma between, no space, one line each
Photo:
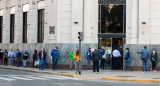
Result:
25,57
55,56
11,55
127,59
88,57
18,54
5,57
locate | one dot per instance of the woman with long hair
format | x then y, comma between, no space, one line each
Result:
154,59
76,59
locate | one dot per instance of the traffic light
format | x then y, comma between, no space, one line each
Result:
80,36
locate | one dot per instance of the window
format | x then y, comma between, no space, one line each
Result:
25,27
41,26
1,26
12,24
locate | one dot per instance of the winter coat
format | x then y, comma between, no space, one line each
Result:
55,54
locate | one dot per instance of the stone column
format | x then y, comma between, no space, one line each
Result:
18,22
32,21
132,23
6,23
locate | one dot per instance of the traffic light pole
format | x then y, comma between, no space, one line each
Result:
79,63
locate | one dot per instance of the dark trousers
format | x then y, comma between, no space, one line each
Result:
95,66
18,61
54,63
5,61
153,65
115,62
102,63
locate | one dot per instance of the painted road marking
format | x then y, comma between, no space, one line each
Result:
6,79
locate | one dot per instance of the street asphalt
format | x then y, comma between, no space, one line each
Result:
21,78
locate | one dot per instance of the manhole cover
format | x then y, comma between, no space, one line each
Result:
125,76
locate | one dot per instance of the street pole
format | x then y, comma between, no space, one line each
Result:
79,63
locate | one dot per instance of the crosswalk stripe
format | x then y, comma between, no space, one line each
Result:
35,77
7,79
50,77
21,78
68,77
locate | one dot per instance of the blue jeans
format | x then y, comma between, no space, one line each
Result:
24,63
10,61
41,66
100,62
126,65
88,64
18,61
54,63
144,61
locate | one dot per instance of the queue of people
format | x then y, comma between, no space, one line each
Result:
99,56
39,58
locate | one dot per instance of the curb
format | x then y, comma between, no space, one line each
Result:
131,80
76,76
53,73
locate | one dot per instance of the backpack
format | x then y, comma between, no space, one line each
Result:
87,55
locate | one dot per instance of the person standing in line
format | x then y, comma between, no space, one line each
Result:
76,60
25,57
35,55
154,59
88,57
11,55
5,57
1,57
71,58
144,57
41,57
116,55
101,51
104,58
108,56
126,59
55,56
96,58
44,54
18,57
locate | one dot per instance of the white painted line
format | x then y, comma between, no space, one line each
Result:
68,77
21,78
36,77
51,77
7,79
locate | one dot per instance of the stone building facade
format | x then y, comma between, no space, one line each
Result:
47,23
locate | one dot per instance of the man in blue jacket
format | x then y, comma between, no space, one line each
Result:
18,54
144,57
55,56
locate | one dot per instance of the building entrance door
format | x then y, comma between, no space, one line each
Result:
112,29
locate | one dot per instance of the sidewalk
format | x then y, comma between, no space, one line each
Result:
108,75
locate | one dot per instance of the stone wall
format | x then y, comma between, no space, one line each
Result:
136,62
63,50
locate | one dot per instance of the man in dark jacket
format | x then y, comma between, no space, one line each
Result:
1,56
88,57
18,57
42,56
96,58
25,57
144,57
5,57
